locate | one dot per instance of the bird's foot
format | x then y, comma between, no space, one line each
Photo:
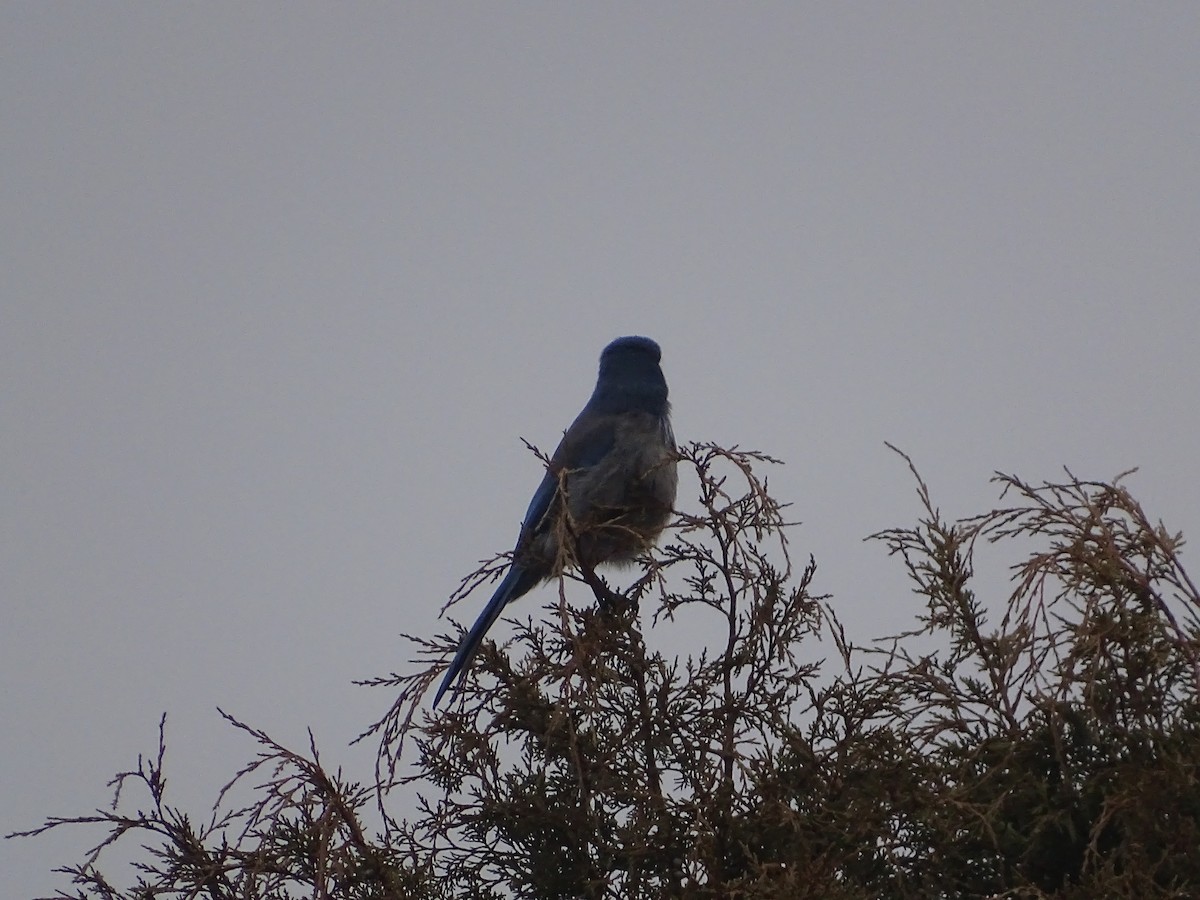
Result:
606,597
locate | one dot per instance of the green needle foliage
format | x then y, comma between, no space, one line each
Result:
1051,755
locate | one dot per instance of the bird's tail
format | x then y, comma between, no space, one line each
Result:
515,583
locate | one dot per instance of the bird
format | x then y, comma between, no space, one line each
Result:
608,491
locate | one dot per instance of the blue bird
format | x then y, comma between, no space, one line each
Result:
608,491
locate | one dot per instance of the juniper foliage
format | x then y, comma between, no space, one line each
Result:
1053,754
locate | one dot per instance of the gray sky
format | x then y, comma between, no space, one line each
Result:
284,285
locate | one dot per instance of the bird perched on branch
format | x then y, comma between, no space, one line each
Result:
608,490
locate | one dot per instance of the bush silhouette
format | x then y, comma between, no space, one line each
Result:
1052,754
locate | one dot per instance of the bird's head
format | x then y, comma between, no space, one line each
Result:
630,378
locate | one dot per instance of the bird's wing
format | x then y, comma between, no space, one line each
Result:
587,441
590,438
540,504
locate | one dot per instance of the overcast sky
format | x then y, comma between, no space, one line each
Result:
284,286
